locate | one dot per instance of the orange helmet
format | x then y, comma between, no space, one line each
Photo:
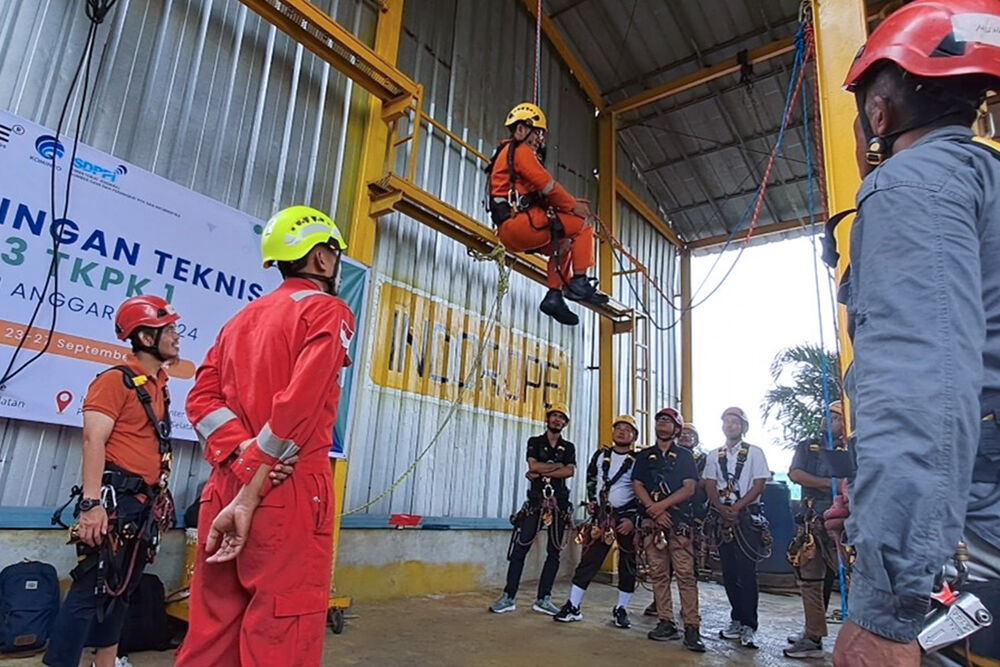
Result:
143,311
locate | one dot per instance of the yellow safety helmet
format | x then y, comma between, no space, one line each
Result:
625,419
529,114
292,232
558,407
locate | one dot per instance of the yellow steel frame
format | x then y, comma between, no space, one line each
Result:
642,208
607,155
687,370
841,28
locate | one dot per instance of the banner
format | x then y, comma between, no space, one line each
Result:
128,232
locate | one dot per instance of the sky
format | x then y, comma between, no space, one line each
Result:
766,304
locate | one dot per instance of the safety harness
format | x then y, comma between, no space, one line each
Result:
733,480
600,524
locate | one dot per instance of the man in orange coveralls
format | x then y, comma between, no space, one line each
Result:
534,213
267,394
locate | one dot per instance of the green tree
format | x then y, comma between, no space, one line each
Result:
796,401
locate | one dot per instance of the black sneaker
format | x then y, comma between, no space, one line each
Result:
554,305
650,610
692,639
620,614
568,613
582,288
664,631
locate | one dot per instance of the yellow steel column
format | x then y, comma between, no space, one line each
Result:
608,212
687,390
841,29
361,234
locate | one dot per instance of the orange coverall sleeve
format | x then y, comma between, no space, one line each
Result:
297,409
531,171
219,428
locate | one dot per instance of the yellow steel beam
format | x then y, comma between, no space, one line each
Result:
607,155
687,368
701,77
840,29
763,230
576,67
649,215
314,29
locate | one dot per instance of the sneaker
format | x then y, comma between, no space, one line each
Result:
620,615
544,605
664,631
748,638
554,305
568,613
805,648
650,610
731,632
792,639
503,604
692,639
584,289
122,661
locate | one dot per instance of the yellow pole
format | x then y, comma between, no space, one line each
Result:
607,210
840,29
687,374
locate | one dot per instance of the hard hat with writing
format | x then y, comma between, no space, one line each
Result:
673,415
736,412
625,419
143,311
292,232
529,114
935,38
558,407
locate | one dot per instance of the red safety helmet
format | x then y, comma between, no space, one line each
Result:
143,311
935,38
674,415
736,412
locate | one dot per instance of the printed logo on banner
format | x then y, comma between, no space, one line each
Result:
48,146
6,131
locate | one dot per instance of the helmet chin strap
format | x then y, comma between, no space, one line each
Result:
154,349
331,284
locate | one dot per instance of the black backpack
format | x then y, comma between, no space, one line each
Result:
147,627
29,603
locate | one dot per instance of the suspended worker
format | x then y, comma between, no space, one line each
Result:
923,308
818,463
266,394
123,504
612,507
665,480
735,475
532,212
551,461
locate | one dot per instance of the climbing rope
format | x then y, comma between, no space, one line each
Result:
538,52
497,255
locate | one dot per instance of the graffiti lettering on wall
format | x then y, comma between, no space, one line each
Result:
429,347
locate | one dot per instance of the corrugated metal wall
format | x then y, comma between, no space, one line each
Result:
475,59
204,93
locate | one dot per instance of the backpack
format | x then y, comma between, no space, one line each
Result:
29,603
147,627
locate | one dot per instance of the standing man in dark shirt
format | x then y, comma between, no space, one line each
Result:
551,461
665,479
811,551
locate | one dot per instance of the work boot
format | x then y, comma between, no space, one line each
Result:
650,610
584,289
748,637
568,613
620,615
503,604
545,606
733,631
554,305
692,639
805,648
664,631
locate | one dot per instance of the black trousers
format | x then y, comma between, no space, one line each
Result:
524,537
593,558
739,574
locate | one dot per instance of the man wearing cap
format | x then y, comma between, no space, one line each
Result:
610,497
551,461
735,475
816,466
665,479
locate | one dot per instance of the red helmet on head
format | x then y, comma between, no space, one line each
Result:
674,415
143,311
739,414
935,38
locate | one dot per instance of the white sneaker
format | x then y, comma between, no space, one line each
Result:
122,662
748,638
731,632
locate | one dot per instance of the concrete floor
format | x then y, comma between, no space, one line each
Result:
458,630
